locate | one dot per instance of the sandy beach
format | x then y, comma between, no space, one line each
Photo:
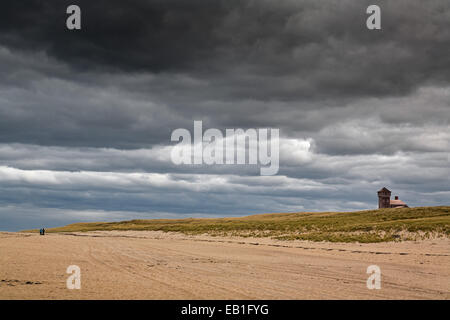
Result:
157,265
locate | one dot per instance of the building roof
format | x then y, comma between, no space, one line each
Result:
384,189
397,203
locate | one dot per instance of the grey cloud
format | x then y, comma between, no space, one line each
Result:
300,47
84,114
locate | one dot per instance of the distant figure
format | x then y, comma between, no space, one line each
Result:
43,231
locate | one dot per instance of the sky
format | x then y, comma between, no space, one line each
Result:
86,115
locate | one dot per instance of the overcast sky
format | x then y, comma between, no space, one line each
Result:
86,116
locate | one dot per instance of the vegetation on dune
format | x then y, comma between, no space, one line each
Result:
361,226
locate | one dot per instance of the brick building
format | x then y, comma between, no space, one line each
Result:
384,200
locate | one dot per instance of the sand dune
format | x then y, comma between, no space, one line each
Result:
157,265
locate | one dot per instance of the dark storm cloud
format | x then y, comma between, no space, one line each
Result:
157,65
86,116
139,35
137,71
267,49
43,102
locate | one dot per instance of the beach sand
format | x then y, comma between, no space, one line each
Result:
157,265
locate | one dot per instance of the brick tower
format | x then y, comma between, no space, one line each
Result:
384,198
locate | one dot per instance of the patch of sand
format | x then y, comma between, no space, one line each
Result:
157,265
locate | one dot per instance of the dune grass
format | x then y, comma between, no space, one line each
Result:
361,226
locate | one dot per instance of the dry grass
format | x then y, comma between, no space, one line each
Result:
361,226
